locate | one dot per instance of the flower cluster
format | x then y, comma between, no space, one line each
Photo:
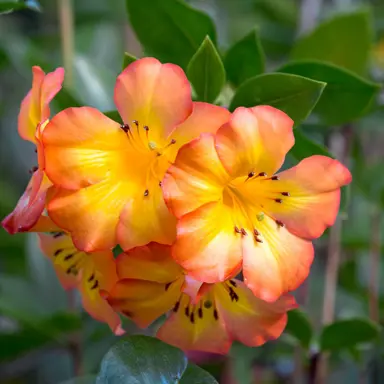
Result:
212,235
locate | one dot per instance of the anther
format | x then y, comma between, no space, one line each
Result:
243,232
215,314
280,223
262,174
135,122
173,141
68,257
33,169
146,128
176,307
187,311
95,285
57,252
232,282
127,313
167,286
124,127
57,234
192,318
146,193
251,174
258,240
200,313
285,193
160,183
256,232
90,278
275,178
278,201
237,230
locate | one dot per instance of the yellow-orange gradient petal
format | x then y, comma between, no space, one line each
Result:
313,189
195,328
275,261
196,178
34,108
207,246
156,95
152,262
254,140
248,319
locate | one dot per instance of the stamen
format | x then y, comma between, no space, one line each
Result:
232,282
256,232
275,178
146,193
233,295
187,311
57,252
259,240
167,286
243,232
68,257
215,314
208,304
192,318
200,313
90,278
176,307
279,201
237,230
125,127
57,234
95,285
285,194
127,313
280,223
262,174
136,123
250,174
33,169
160,183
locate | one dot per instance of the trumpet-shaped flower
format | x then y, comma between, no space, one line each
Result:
234,212
89,273
107,176
33,117
151,284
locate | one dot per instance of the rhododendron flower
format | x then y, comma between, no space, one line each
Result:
151,284
89,273
234,212
107,176
33,117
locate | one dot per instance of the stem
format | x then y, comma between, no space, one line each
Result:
67,38
74,345
374,274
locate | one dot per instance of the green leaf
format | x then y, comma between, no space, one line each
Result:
245,59
295,95
114,115
300,327
142,360
65,99
169,29
206,72
346,96
10,6
345,334
344,40
196,375
128,59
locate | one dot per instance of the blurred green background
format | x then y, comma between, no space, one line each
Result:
44,335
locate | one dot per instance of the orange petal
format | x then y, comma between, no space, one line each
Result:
152,262
247,318
144,301
154,94
34,108
254,140
277,265
146,218
90,214
196,178
83,147
314,195
185,329
213,249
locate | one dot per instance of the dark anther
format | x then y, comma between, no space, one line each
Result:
57,234
285,193
251,174
208,304
237,230
279,223
258,240
167,286
90,278
275,178
33,169
57,252
262,174
127,313
68,257
135,122
200,312
124,127
256,232
278,201
233,295
70,270
187,311
242,230
176,307
215,314
95,285
146,193
146,128
173,141
232,282
160,183
192,318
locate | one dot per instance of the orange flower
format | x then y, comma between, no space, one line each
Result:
33,117
151,284
234,213
90,273
106,176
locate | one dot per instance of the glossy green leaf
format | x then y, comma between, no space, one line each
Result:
196,375
245,59
299,327
65,99
345,334
206,72
170,30
346,96
128,59
114,115
344,40
295,95
142,360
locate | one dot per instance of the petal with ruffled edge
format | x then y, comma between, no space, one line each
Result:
34,108
196,328
154,94
207,246
277,265
248,319
310,194
254,140
152,262
144,301
196,178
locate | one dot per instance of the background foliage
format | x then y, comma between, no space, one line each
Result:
322,62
